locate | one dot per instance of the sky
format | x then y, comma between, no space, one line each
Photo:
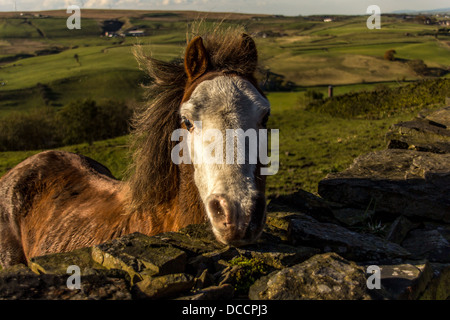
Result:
284,7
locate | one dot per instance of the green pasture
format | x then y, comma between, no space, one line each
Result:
17,28
91,60
310,53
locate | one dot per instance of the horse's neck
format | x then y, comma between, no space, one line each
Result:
184,209
192,209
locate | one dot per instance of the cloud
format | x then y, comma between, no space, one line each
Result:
99,3
177,2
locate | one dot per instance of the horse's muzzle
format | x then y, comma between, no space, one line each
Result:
232,226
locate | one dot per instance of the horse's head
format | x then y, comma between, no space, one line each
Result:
217,107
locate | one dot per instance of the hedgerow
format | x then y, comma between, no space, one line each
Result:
384,102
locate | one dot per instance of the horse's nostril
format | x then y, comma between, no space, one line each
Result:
215,208
219,208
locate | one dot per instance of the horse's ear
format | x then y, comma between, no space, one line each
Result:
248,46
196,59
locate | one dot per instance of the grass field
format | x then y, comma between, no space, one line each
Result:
308,53
305,50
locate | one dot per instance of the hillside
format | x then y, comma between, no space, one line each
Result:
38,48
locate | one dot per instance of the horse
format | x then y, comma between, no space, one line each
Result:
58,201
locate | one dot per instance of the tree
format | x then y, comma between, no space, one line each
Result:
77,58
113,118
272,81
389,55
79,121
311,96
87,120
27,131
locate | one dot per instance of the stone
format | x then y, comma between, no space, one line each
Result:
57,263
205,279
351,216
302,202
398,182
272,234
429,132
161,287
212,261
323,277
200,231
281,220
280,234
441,116
140,255
420,135
278,255
228,275
241,273
349,244
222,292
17,269
19,282
429,244
439,286
191,245
96,288
277,223
399,229
406,281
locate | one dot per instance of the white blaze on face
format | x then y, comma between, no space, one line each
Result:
228,190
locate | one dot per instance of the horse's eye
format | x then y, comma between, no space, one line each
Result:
187,123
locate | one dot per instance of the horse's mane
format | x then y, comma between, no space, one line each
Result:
152,177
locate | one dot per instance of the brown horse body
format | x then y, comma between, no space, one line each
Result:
58,201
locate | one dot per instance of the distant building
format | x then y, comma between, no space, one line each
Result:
328,20
111,34
136,33
268,34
